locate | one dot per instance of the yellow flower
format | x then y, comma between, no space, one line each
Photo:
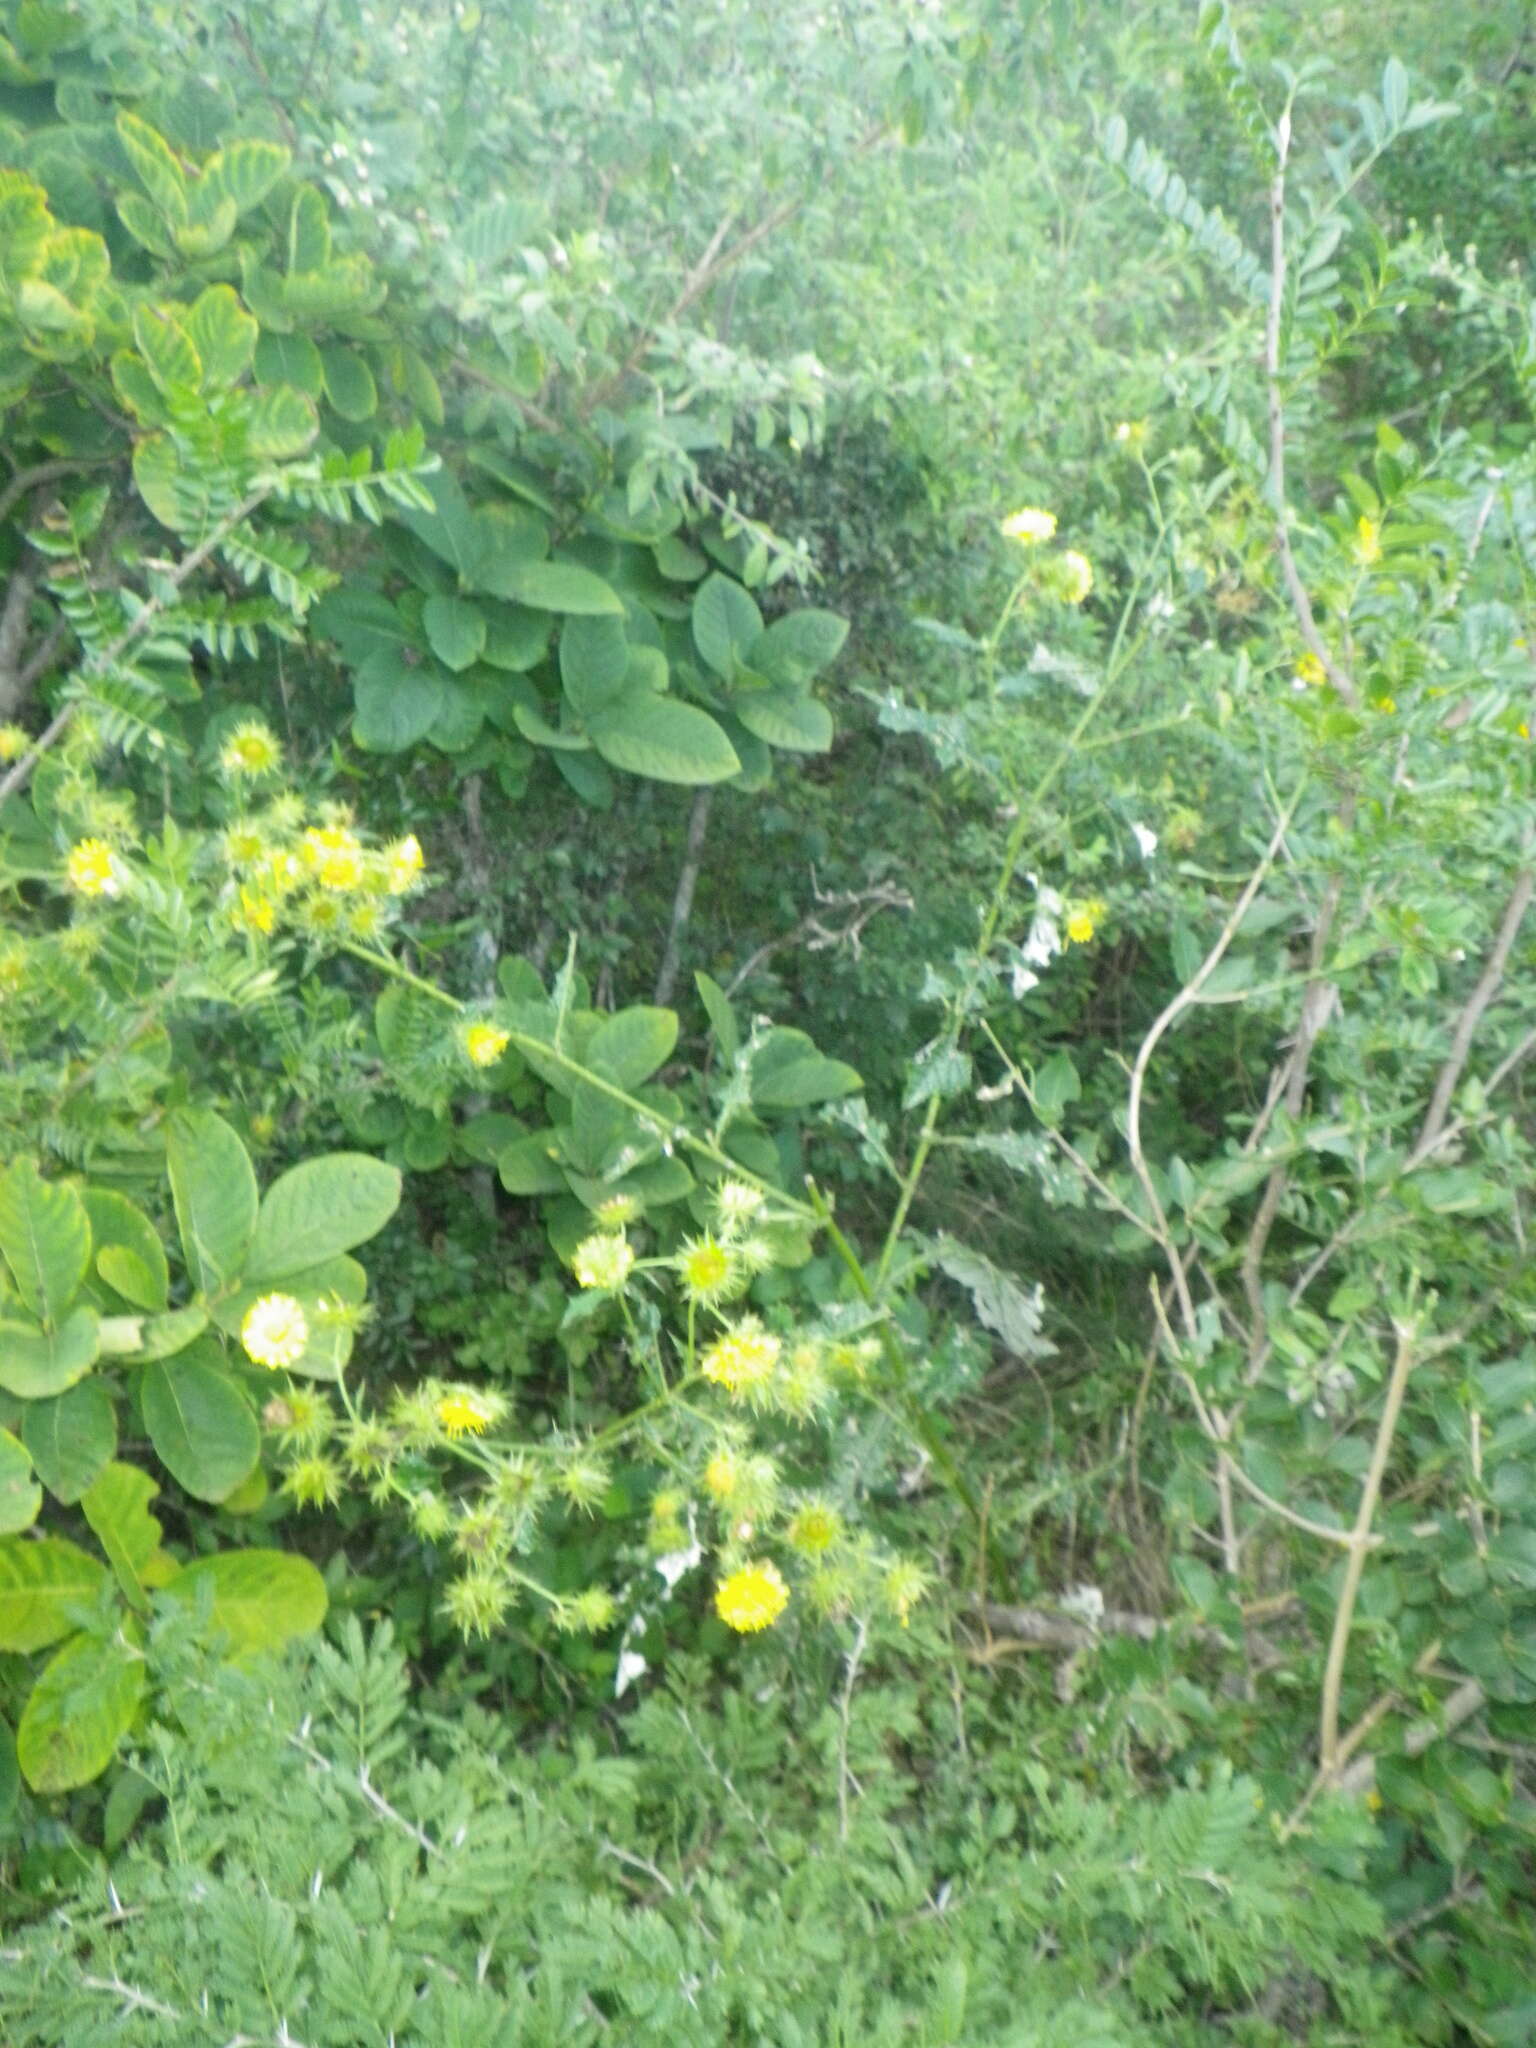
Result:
251,749
815,1529
752,1598
13,742
485,1044
1384,701
1367,545
257,912
743,1359
905,1584
603,1261
243,846
334,856
1083,921
403,864
708,1271
1076,576
1309,669
93,869
462,1415
283,873
722,1475
275,1331
1029,526
1523,730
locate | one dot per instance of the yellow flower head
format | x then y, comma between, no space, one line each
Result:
334,856
905,1584
485,1044
1029,526
1076,576
1384,701
94,869
1083,921
14,742
244,846
1309,669
282,873
722,1475
603,1261
707,1270
752,1598
617,1210
1367,546
463,1414
251,749
403,863
742,1359
814,1529
257,912
275,1331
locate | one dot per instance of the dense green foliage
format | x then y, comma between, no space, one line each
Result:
765,789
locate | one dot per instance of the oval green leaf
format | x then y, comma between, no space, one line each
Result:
261,1598
319,1209
201,1425
80,1709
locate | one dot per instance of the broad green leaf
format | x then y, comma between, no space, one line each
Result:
71,1438
262,1599
795,649
1056,1084
594,663
349,384
455,630
20,1494
145,223
628,1047
167,349
789,1073
116,1504
44,1586
80,1709
318,1209
280,422
395,702
154,160
450,529
178,497
531,1165
362,623
787,718
726,622
209,224
200,1423
553,587
224,335
290,359
677,561
722,1018
164,1335
35,1363
515,638
129,1254
309,232
588,776
663,739
213,1187
243,173
45,1236
538,731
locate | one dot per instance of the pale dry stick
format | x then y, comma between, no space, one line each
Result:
845,1708
137,627
682,901
1482,995
1186,998
1354,1566
1301,603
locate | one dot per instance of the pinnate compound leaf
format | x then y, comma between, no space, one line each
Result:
45,1587
80,1709
318,1209
262,1599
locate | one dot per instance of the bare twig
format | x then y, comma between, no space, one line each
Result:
1472,1010
682,901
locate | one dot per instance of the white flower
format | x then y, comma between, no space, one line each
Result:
1146,841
